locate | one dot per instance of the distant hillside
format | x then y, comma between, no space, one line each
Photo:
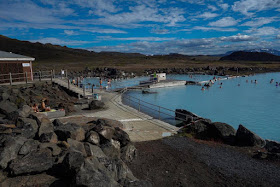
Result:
46,52
251,56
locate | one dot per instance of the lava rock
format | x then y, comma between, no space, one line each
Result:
29,180
223,132
7,107
107,132
77,146
48,137
9,147
199,129
181,114
93,150
272,146
29,146
69,130
128,152
117,168
45,127
95,104
245,137
28,127
92,173
121,136
57,123
34,162
93,138
110,150
51,146
72,162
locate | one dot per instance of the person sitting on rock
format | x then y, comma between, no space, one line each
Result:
35,108
43,106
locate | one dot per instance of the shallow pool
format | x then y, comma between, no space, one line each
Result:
255,105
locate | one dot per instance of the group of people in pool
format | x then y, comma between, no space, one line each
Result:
212,81
277,83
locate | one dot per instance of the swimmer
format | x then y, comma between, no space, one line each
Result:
220,86
271,81
277,84
202,89
100,82
256,82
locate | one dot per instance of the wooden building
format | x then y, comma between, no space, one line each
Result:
16,67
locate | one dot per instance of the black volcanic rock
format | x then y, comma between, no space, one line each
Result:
251,56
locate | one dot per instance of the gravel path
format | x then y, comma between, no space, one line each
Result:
179,161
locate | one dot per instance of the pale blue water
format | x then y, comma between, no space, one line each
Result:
256,106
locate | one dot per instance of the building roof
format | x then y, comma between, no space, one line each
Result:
9,56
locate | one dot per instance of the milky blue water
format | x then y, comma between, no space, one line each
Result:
256,106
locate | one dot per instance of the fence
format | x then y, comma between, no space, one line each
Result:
156,111
28,77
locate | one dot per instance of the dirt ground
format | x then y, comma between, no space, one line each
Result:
181,161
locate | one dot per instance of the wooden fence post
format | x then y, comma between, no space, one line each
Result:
40,75
84,91
26,77
51,75
11,79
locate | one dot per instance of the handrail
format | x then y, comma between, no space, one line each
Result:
160,110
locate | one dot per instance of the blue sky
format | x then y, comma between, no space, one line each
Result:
145,26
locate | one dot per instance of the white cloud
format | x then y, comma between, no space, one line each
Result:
155,39
98,7
214,29
105,31
224,6
26,11
199,2
238,38
207,15
69,32
264,31
248,7
224,22
257,22
143,13
212,8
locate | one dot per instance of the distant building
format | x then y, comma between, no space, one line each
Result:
158,77
17,65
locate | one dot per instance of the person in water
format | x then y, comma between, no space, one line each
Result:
256,82
271,81
100,82
202,88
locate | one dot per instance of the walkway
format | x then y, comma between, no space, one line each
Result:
139,126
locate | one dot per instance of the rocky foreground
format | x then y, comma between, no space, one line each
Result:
37,152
